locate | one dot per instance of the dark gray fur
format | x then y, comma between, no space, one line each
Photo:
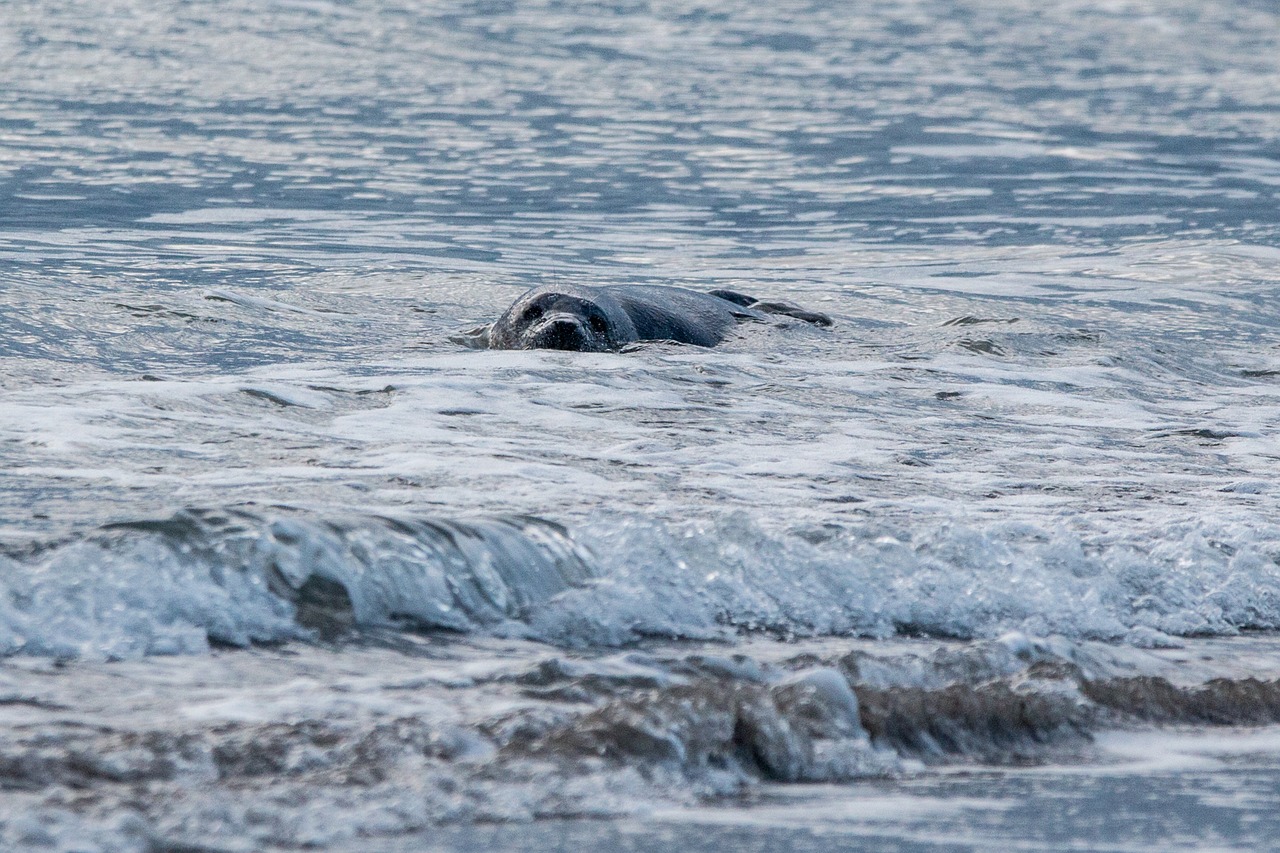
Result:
600,319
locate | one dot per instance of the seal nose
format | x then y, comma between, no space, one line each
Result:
564,333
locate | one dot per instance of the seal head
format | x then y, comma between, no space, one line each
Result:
564,318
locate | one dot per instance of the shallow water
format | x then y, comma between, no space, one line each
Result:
1034,457
1216,796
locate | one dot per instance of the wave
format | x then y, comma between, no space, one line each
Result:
712,579
251,575
240,576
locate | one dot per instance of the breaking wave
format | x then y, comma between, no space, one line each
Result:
238,577
246,575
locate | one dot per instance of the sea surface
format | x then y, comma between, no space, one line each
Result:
991,563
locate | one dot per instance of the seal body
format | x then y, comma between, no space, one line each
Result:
600,319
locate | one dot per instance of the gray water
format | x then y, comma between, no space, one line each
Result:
283,562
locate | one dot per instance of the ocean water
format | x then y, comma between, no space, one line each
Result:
994,561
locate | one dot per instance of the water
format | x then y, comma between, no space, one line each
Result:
284,563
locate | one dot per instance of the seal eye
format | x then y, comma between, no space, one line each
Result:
532,313
598,325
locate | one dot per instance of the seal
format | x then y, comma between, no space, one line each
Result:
605,319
